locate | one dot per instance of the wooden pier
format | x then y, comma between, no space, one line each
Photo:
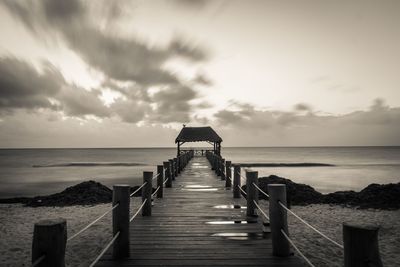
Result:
198,217
194,225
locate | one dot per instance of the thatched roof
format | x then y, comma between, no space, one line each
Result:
198,134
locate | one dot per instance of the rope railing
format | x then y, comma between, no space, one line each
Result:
38,260
297,249
260,190
244,192
105,249
260,210
93,222
155,192
242,178
155,176
138,210
277,196
121,197
137,190
310,226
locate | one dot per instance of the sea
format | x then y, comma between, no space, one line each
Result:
32,172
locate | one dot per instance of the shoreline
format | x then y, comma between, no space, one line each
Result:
376,196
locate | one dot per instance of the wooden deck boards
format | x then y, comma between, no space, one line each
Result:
182,229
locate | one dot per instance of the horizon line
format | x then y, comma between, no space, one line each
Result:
169,147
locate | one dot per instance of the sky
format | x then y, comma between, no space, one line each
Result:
261,73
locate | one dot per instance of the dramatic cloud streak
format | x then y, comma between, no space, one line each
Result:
119,58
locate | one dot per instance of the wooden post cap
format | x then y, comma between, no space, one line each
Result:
50,222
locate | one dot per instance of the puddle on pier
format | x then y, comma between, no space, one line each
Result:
199,187
230,222
199,166
240,236
230,207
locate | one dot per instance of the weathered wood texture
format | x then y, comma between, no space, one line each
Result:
186,228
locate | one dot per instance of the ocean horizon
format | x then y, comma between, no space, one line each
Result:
41,171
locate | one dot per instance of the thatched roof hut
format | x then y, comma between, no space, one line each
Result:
199,134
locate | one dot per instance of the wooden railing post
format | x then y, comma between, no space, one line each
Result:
120,219
168,184
218,166
146,193
361,247
278,219
171,169
160,181
252,192
222,169
176,167
236,181
49,240
228,174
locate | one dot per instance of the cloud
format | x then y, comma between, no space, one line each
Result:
201,79
131,111
173,104
36,130
302,107
193,4
243,126
79,102
22,86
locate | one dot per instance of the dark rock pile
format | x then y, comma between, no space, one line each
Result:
375,196
85,193
298,194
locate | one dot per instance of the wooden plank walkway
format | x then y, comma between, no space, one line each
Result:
187,229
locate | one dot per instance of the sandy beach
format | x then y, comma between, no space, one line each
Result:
329,219
17,226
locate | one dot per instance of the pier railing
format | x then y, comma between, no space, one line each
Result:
360,242
50,236
196,152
